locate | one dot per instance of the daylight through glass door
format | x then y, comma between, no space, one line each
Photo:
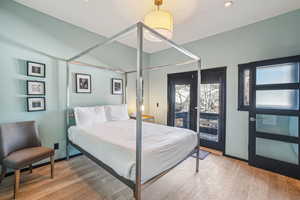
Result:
182,105
209,108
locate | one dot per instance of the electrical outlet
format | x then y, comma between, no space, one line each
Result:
56,146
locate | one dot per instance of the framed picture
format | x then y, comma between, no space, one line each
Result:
117,86
83,83
36,69
36,104
36,88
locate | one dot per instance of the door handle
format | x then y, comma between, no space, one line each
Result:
252,119
196,108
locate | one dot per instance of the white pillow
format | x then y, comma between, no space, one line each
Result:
88,116
116,112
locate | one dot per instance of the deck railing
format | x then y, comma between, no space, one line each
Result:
209,122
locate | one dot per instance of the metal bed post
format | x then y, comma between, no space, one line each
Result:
68,111
139,80
125,91
198,113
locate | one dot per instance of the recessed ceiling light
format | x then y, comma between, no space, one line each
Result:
228,4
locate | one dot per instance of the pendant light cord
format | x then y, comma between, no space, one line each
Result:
158,3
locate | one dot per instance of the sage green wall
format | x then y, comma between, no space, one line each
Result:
272,38
24,34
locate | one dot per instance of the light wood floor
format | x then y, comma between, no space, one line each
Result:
220,178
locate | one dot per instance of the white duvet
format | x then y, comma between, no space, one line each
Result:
114,143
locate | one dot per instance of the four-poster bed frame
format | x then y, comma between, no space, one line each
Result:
137,185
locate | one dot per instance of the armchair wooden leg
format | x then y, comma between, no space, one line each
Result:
52,166
17,182
3,172
30,169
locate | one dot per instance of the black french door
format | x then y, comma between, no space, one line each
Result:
182,102
274,116
213,108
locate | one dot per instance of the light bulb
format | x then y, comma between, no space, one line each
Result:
142,108
228,4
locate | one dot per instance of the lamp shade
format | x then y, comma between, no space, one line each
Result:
162,22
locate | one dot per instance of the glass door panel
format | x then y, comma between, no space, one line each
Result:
278,99
278,150
209,108
277,74
210,100
182,105
278,124
246,97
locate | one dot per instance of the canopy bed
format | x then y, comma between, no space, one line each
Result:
128,165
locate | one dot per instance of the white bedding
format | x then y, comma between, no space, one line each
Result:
113,143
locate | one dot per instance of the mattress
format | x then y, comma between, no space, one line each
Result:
114,143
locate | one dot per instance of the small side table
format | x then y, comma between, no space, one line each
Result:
147,118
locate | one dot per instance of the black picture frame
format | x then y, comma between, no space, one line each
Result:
30,64
28,87
29,107
89,83
113,86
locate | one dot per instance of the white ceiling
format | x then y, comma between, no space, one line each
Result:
194,19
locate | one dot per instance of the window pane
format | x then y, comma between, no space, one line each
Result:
277,124
246,87
283,151
182,106
277,99
277,74
210,94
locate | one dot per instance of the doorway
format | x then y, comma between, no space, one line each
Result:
182,102
274,116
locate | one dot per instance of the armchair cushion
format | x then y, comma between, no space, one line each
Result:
27,156
17,136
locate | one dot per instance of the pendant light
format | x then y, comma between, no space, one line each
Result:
159,20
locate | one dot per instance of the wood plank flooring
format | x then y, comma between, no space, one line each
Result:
220,178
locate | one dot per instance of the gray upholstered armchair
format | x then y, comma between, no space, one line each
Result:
20,147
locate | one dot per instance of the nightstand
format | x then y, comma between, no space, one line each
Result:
147,118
